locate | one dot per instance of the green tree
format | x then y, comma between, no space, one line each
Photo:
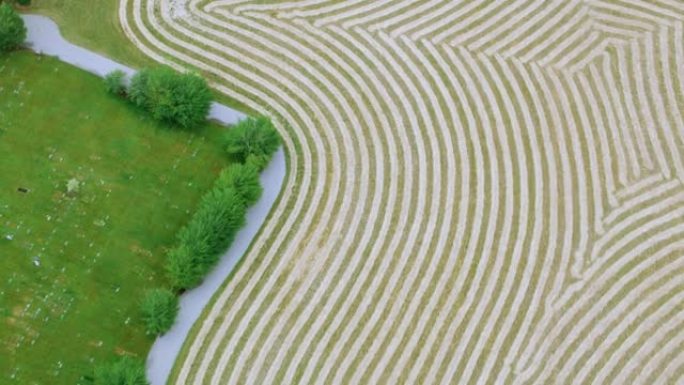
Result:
115,82
182,99
183,268
244,178
255,137
12,28
125,371
259,162
221,213
159,308
24,2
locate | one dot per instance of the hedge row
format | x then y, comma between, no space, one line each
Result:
219,216
184,100
222,211
211,230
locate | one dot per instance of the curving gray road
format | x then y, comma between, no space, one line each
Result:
44,37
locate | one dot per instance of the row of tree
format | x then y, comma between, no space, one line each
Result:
222,211
209,232
184,100
220,215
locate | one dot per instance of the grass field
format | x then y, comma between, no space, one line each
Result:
480,192
72,268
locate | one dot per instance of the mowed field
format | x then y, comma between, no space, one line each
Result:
74,267
480,192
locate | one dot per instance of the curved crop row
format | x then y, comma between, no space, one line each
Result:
479,192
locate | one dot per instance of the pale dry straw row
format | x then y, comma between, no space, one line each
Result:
571,148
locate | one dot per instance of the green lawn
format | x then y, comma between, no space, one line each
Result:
72,268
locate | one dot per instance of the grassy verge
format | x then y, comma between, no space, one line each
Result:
93,25
74,265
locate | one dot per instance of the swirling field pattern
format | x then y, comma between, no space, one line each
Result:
479,192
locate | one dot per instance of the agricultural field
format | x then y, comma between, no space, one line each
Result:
92,193
479,192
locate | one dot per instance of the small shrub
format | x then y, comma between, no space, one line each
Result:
12,28
182,99
24,3
125,371
244,178
115,82
159,309
255,137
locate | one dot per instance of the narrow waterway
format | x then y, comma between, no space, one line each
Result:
44,37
